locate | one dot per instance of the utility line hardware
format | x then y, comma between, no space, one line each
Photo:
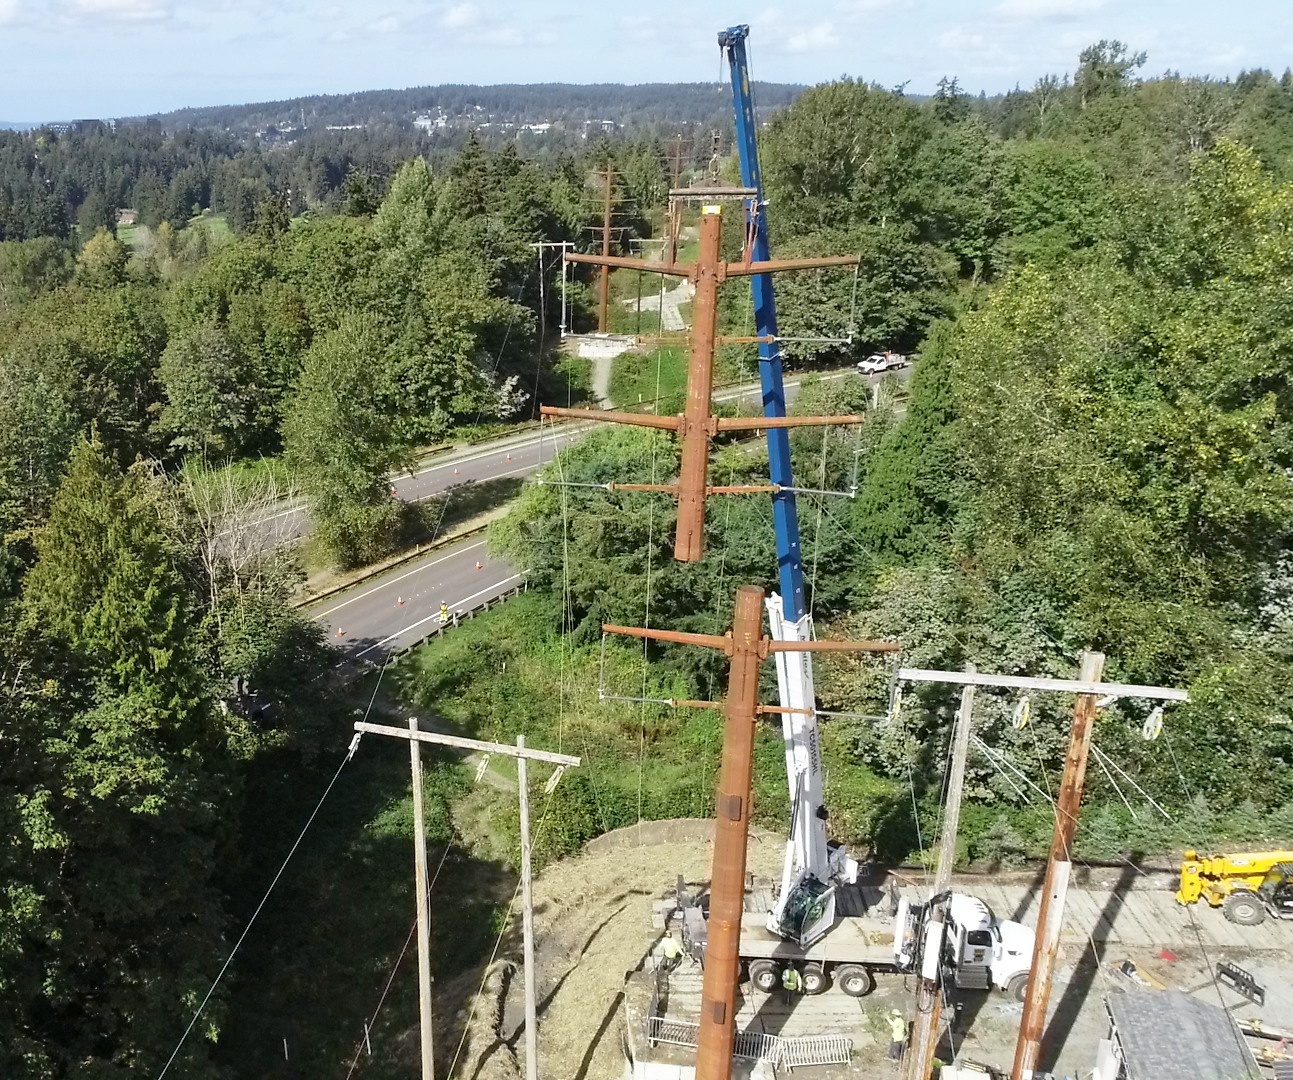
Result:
696,426
747,647
1091,692
416,737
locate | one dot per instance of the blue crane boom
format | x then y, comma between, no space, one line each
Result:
804,910
785,520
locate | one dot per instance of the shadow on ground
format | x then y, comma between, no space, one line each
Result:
313,967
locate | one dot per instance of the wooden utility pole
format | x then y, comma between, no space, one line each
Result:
416,737
423,907
527,917
924,1034
604,287
747,647
1050,916
697,425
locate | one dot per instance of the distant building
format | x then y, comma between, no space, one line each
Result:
126,217
345,127
539,129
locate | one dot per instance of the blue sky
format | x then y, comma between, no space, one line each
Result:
61,59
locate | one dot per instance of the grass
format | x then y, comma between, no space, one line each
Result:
634,375
508,672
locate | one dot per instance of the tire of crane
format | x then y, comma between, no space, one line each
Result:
815,980
855,980
1017,987
1244,907
765,975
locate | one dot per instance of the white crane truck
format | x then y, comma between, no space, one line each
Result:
821,920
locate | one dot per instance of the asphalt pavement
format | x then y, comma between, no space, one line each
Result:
401,606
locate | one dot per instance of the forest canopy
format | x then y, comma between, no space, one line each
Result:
1094,452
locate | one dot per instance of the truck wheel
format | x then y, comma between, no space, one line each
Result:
815,980
765,976
1017,987
1244,908
854,980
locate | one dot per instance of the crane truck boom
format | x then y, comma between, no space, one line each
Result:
1246,885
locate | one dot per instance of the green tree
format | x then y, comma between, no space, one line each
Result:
211,399
121,922
340,441
102,262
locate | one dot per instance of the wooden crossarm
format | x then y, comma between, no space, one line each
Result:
833,646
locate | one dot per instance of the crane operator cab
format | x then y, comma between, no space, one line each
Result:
1276,890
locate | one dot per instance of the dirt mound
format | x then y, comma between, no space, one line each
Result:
592,920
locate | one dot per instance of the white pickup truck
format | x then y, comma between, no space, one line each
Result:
882,361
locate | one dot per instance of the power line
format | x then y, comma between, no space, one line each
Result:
354,744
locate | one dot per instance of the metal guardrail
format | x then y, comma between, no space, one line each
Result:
787,1053
461,616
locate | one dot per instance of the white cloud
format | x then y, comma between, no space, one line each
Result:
120,10
387,24
813,38
461,17
1047,10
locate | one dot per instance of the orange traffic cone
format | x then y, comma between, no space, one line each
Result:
509,457
399,601
455,472
477,564
338,631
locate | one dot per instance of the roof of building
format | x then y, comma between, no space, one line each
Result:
1167,1033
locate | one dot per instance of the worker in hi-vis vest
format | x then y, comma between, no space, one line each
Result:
897,1034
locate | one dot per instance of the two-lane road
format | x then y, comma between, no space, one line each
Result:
401,606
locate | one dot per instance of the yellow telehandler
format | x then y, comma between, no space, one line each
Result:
1247,885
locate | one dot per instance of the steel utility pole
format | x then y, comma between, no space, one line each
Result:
924,1036
604,287
747,647
416,737
1059,865
697,425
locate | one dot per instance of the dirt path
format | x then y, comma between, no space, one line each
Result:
599,370
592,919
668,303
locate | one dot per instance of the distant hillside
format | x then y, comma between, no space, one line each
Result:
567,107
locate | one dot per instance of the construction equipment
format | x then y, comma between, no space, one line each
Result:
805,907
972,950
1247,885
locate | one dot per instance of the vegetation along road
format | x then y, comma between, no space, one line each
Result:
393,610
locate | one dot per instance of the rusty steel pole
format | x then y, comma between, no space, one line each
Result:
695,429
604,287
731,828
1050,916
